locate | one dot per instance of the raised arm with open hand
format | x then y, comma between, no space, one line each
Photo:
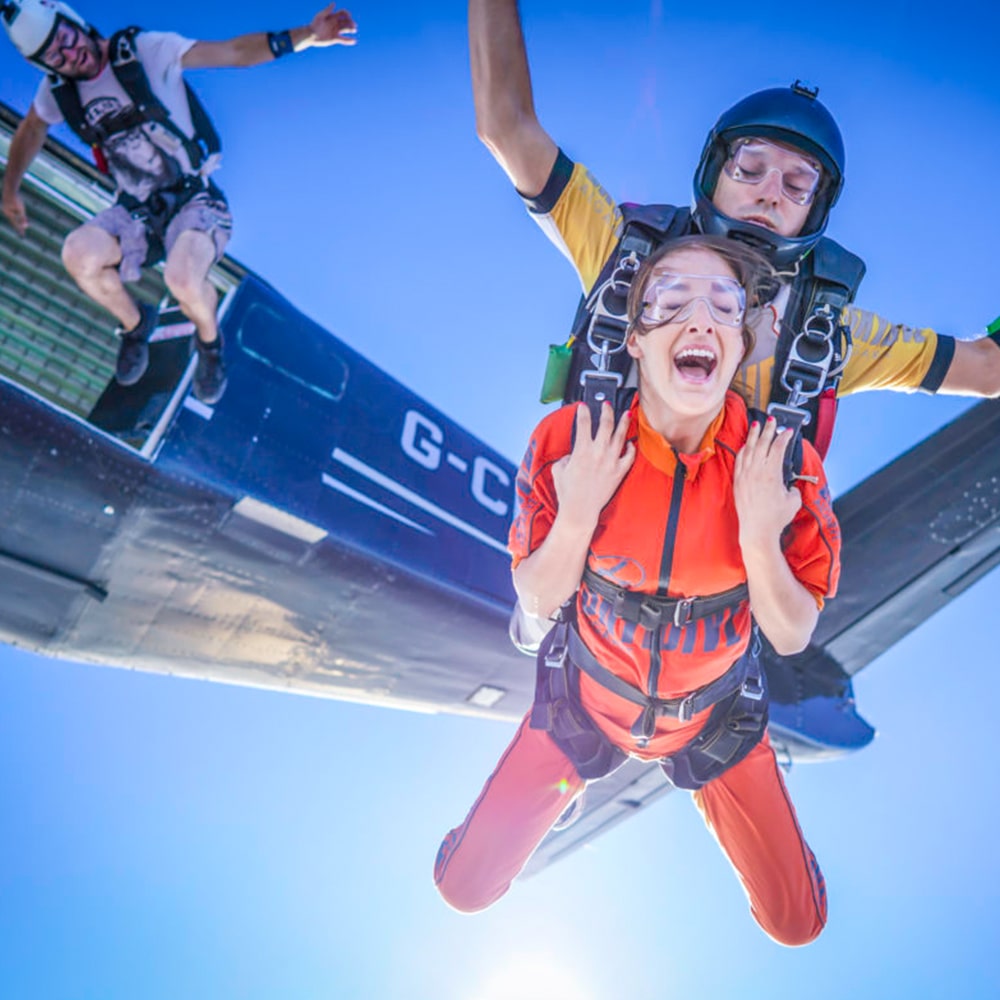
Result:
329,27
332,27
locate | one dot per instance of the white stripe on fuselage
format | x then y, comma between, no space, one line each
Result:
418,501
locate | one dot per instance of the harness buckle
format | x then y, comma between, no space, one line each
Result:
683,611
555,658
555,655
609,301
685,710
791,417
752,689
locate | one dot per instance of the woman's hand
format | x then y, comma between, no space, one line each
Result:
764,504
785,610
587,478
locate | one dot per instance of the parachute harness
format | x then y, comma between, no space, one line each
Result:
606,336
812,369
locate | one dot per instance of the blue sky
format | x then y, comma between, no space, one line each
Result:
166,838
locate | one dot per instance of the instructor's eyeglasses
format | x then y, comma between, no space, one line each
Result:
670,298
752,160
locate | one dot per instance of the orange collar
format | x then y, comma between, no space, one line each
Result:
660,453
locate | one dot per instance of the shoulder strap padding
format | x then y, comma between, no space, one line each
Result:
832,265
666,220
67,99
829,275
792,466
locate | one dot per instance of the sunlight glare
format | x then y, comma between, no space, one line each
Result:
534,976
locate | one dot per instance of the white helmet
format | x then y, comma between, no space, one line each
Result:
31,24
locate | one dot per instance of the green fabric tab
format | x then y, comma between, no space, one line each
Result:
556,373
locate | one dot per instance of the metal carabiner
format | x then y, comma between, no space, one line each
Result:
617,285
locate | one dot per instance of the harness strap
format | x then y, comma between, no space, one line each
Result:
815,344
146,106
653,610
681,709
557,711
734,728
132,76
599,365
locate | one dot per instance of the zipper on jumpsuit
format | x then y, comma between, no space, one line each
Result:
666,565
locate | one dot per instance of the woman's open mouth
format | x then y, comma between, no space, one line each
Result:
696,364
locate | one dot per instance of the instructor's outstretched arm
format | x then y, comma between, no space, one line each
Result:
329,27
974,369
501,89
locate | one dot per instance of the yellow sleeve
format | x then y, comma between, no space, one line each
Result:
579,217
893,356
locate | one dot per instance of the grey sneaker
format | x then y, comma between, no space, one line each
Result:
210,380
133,352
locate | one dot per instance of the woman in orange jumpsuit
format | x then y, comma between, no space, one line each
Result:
634,524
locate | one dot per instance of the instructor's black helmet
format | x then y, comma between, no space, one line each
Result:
792,115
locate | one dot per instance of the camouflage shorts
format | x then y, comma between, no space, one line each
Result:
148,233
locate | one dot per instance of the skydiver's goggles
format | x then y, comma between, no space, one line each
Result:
751,161
670,298
64,40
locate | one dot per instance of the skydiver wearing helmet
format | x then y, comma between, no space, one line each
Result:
126,97
771,170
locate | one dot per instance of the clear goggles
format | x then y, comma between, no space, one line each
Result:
752,160
670,298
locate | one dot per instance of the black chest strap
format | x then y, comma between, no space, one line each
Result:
145,106
653,610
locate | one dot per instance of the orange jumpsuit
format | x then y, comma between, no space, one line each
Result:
671,528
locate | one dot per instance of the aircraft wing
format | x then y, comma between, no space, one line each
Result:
916,535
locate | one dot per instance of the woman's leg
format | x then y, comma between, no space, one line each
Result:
752,817
532,785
